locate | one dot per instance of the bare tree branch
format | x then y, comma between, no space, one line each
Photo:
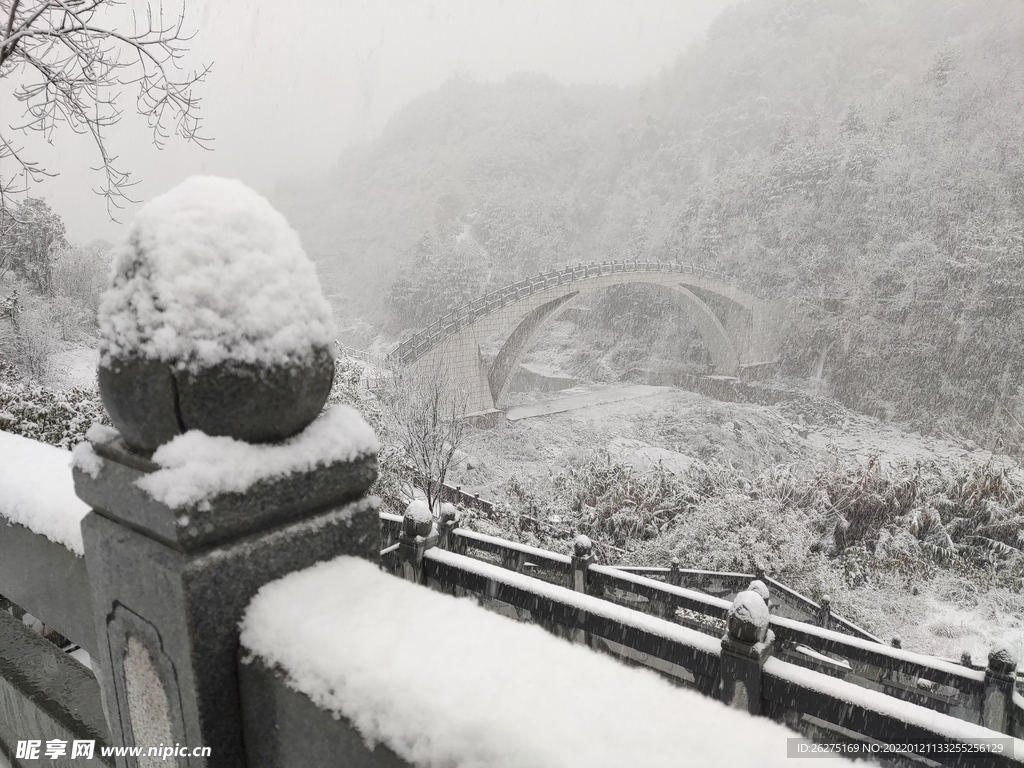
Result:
72,63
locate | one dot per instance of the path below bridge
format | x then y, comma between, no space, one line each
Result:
579,397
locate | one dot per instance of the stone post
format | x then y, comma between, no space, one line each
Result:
170,584
1000,678
674,577
825,612
446,529
419,533
234,342
582,557
747,643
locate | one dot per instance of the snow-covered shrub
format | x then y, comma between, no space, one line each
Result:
616,499
899,550
910,516
856,562
49,415
733,532
347,388
862,498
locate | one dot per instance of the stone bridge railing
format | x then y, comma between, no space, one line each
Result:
419,343
839,649
550,566
816,680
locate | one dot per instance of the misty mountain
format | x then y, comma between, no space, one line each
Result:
861,159
504,157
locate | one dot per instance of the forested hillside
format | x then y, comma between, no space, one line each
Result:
524,164
861,159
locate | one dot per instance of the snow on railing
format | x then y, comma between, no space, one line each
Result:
515,558
692,655
887,720
715,582
41,565
36,490
457,319
886,660
439,681
928,681
551,566
812,687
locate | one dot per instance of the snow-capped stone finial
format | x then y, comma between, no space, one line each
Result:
449,513
747,619
1002,659
214,321
760,588
582,546
417,520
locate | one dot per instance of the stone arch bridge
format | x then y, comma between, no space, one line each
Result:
740,330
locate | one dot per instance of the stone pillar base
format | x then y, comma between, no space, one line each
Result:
169,587
740,684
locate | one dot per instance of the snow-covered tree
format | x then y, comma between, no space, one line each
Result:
67,61
31,240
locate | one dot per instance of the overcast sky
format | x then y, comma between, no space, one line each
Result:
293,83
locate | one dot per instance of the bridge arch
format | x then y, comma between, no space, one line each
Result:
738,335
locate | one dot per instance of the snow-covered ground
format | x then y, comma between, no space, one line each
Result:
578,397
73,366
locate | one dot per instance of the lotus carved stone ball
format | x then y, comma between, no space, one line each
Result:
214,321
